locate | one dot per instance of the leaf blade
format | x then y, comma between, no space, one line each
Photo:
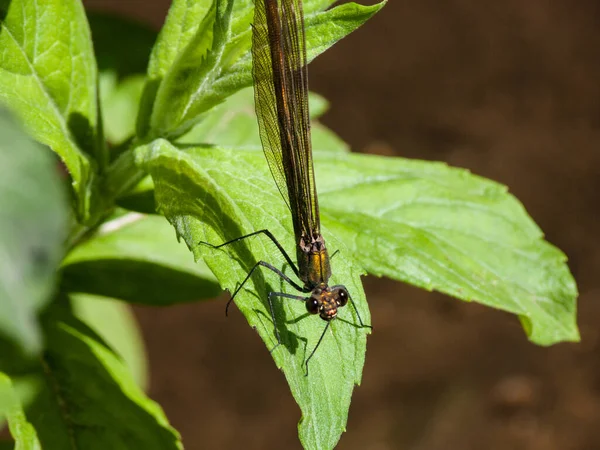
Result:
181,25
445,229
21,430
32,224
208,194
115,322
137,258
90,400
201,81
48,77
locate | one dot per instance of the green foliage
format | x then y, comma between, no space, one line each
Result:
114,322
233,124
190,187
32,229
196,67
11,408
445,229
48,77
120,99
184,145
89,399
135,257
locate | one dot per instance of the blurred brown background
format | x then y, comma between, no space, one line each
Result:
510,90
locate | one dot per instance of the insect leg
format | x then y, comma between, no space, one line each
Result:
270,236
358,314
316,346
270,267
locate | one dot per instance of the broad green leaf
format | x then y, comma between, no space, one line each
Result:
89,399
48,77
11,408
214,195
32,230
216,64
420,222
120,103
114,322
445,229
233,124
122,46
137,258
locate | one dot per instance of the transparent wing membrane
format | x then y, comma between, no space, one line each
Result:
281,97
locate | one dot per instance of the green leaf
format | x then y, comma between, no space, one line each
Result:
10,407
217,62
214,195
120,103
32,230
121,45
115,323
194,68
137,258
181,25
48,77
445,229
183,20
89,399
420,222
233,124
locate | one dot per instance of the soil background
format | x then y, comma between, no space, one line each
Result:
509,90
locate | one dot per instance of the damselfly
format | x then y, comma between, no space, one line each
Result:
279,68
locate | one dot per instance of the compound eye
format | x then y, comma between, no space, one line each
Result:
312,305
342,297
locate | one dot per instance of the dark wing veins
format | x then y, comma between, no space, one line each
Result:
281,95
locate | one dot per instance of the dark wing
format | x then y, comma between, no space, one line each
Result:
281,96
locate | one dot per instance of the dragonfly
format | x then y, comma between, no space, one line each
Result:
280,73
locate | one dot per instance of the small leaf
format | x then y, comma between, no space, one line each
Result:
114,322
48,78
215,65
181,25
137,258
192,70
214,195
10,407
32,230
89,399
